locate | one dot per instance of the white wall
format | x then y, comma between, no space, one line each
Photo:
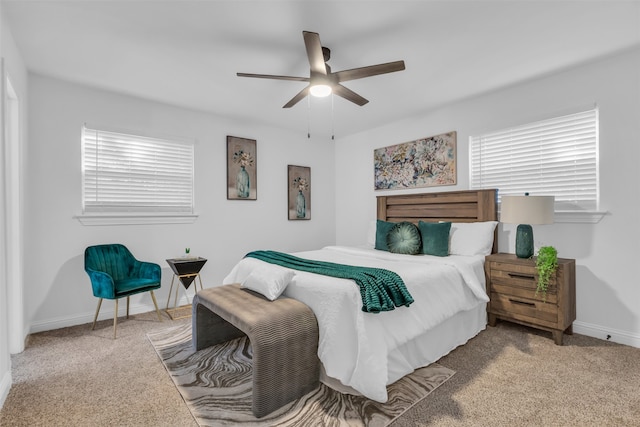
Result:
12,325
58,291
5,357
606,253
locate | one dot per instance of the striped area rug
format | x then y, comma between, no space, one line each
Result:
216,385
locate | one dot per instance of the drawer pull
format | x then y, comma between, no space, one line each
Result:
521,276
515,301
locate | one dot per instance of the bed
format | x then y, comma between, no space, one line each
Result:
362,353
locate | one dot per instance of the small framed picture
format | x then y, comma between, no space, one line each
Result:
241,169
299,192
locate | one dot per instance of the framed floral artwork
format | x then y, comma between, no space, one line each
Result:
299,192
241,169
424,162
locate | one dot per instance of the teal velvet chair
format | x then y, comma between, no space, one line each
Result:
115,274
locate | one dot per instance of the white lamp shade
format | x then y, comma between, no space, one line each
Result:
527,209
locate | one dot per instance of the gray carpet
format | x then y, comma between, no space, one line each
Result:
216,385
506,376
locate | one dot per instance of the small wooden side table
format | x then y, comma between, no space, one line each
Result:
511,285
187,270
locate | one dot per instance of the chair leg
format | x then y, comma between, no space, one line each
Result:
127,307
115,321
96,316
153,297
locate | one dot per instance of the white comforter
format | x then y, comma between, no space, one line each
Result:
354,345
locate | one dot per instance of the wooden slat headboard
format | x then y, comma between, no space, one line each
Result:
454,206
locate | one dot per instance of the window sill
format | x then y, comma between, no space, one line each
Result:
135,219
579,217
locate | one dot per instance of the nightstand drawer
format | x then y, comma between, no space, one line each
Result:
527,271
523,309
527,292
520,281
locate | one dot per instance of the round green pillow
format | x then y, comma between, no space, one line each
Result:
404,238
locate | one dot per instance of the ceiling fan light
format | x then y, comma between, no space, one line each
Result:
320,91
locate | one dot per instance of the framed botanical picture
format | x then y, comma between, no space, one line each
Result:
425,162
241,169
299,192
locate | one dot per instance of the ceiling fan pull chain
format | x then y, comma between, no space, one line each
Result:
333,130
308,117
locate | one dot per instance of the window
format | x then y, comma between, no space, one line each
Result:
556,157
136,175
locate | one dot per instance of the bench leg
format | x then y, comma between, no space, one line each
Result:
279,379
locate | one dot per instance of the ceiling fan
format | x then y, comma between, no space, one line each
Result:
322,81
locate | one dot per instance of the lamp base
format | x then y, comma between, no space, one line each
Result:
524,241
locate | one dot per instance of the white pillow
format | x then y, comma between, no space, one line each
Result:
471,238
269,280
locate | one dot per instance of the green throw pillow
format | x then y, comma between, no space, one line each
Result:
435,237
404,238
382,229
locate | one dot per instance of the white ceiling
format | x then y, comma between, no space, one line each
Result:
187,53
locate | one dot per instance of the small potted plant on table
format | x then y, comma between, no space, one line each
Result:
546,265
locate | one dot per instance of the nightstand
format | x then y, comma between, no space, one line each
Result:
511,286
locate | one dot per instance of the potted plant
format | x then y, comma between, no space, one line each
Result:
546,265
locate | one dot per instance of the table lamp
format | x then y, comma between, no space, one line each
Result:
524,211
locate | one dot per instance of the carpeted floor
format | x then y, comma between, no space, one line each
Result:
506,376
511,375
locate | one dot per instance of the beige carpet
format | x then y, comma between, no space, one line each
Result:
216,385
506,376
511,375
79,377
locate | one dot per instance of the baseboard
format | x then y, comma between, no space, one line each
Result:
583,328
5,386
607,334
106,312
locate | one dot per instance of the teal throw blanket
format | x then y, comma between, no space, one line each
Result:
380,289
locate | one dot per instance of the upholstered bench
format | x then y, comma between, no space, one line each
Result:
283,335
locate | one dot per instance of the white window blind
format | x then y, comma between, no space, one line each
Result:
556,157
125,173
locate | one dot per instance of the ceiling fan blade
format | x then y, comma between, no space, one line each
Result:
299,97
314,52
349,95
372,70
269,76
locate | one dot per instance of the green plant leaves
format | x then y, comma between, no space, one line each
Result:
546,264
